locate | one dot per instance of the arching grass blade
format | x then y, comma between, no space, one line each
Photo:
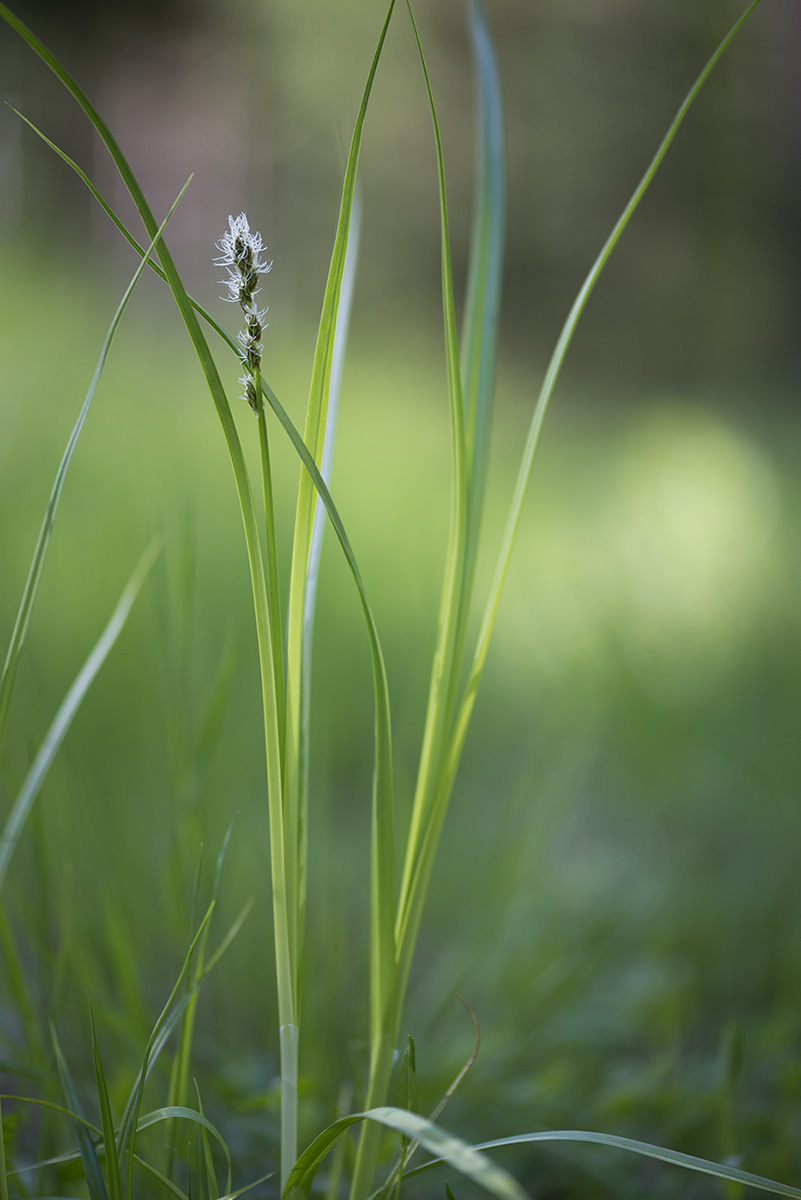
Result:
70,705
658,1153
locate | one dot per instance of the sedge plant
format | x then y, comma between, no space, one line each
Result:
284,620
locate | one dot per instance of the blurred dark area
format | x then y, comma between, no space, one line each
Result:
259,102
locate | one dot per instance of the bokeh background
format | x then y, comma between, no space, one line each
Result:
618,888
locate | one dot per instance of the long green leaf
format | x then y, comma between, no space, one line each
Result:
70,705
107,1120
445,667
551,376
176,1112
212,1187
456,1152
689,1161
482,309
315,553
91,1165
417,888
11,666
483,302
271,706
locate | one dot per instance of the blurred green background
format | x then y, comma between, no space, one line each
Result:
618,888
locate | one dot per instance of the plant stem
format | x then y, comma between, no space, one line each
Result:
273,583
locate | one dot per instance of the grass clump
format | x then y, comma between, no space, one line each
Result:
401,867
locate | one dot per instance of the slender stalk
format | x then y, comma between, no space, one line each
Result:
273,579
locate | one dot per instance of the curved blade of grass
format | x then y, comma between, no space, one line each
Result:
11,666
70,705
417,889
399,1170
483,302
456,1152
554,369
176,1112
107,1120
120,225
271,704
91,1165
382,871
285,420
689,1161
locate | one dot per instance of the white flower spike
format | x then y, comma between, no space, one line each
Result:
240,251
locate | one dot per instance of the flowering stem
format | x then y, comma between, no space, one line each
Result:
273,584
241,253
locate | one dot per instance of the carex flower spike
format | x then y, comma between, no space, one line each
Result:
241,252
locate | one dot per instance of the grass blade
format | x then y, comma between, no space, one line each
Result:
482,306
482,309
176,1112
315,551
689,1161
70,705
91,1165
457,1153
551,376
445,667
107,1120
212,1187
8,679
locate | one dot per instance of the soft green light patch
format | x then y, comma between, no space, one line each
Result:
665,552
